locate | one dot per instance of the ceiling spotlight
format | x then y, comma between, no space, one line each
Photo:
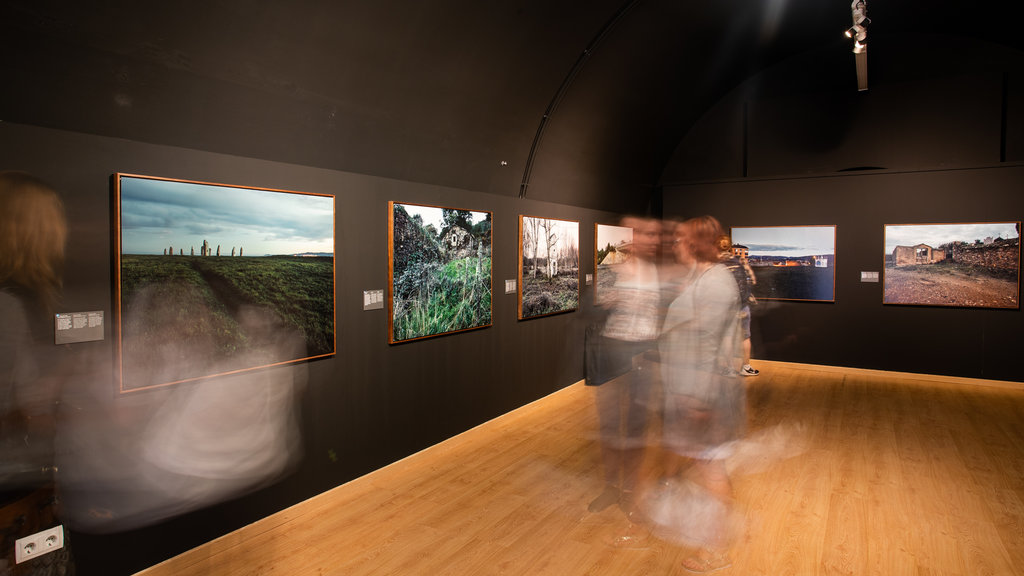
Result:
859,33
860,12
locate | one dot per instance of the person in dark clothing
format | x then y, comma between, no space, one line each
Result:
745,280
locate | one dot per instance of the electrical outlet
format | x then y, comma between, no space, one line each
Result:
38,544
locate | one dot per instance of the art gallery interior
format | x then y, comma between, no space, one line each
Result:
748,110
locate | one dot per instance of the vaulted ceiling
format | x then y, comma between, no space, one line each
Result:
578,102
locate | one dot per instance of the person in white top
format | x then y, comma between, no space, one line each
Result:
624,378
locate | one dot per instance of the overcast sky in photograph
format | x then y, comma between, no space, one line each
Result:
157,214
614,235
435,215
936,235
567,233
786,240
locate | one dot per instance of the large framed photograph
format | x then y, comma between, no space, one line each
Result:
439,271
213,279
549,266
789,262
972,265
612,246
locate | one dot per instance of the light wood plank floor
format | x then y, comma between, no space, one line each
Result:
882,474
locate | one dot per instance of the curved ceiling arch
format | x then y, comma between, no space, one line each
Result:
448,92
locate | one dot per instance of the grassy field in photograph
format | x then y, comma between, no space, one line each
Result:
794,283
449,297
182,312
440,271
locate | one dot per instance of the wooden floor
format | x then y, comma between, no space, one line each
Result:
853,473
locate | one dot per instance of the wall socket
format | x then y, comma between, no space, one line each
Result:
38,544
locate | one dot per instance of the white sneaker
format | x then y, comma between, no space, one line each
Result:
748,370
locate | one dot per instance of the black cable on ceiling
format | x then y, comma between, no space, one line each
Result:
565,87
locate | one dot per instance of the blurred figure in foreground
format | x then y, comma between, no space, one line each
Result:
33,232
745,280
132,460
704,412
618,367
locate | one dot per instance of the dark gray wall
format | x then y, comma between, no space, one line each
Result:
943,140
857,330
768,153
369,405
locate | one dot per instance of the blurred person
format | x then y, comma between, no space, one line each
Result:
33,233
704,410
618,364
142,458
745,280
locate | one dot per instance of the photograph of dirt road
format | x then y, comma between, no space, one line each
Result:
974,265
215,279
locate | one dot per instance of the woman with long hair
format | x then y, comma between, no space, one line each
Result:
33,231
704,400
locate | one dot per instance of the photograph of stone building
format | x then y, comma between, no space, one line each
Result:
919,254
972,265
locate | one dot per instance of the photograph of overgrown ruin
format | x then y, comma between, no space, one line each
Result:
789,262
549,266
215,279
440,271
964,265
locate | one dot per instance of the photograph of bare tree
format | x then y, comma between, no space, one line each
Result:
215,279
974,265
439,271
549,266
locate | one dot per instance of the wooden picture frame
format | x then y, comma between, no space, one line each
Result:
439,271
214,279
549,266
795,263
611,247
967,265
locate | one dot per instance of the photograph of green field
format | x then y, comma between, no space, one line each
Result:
789,262
971,265
440,271
549,266
802,282
216,279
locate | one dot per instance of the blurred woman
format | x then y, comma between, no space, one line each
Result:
704,400
33,231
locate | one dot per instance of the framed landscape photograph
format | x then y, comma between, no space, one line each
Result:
789,262
549,266
439,271
611,248
972,265
213,279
